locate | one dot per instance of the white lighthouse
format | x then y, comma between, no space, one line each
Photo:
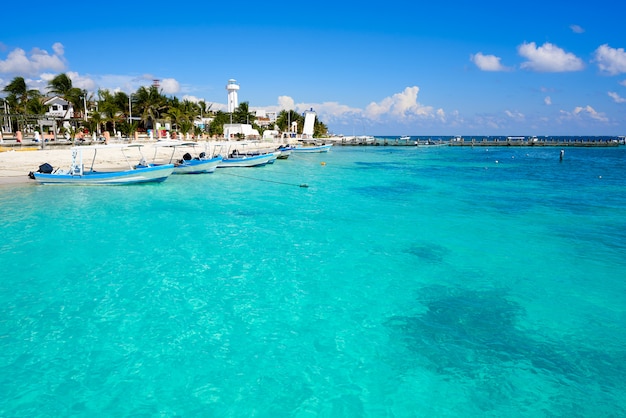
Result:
233,101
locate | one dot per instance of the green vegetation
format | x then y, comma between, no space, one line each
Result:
139,111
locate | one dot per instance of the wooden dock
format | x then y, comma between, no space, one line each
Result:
482,142
535,142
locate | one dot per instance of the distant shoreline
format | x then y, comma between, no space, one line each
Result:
17,160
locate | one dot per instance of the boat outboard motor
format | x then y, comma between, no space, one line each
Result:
187,156
44,168
202,154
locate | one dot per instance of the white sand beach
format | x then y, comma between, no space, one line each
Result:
17,162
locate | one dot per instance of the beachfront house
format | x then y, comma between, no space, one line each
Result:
59,108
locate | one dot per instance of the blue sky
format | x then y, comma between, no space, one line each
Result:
386,68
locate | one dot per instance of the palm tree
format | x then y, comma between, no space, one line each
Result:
150,104
23,101
217,125
242,114
18,93
286,118
61,85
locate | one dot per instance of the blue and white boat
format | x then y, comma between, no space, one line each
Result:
236,158
78,175
243,160
188,164
285,151
311,148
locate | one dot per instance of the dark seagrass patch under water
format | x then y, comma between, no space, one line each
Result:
428,252
473,333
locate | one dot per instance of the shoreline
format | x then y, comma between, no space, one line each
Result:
16,163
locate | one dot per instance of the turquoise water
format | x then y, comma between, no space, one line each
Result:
402,282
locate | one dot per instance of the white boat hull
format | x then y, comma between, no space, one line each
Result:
197,166
96,178
248,161
310,149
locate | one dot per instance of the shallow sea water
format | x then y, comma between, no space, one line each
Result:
402,282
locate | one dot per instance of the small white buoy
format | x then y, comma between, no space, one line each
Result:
497,161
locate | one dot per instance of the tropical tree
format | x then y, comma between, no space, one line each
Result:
175,115
61,85
108,109
94,121
186,126
34,105
242,114
217,124
286,118
23,101
150,104
18,94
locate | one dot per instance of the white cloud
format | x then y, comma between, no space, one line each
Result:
330,112
548,58
623,83
190,98
286,103
400,106
616,97
583,112
517,116
547,100
38,60
576,28
170,86
487,62
81,82
611,60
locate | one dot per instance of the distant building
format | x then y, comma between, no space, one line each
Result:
264,118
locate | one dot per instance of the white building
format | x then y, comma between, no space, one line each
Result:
233,129
59,108
264,118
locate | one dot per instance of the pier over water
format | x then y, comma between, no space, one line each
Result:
489,141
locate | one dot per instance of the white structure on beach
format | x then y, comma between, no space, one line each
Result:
241,129
233,101
309,124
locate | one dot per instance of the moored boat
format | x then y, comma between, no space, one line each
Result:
78,175
233,157
188,164
285,152
244,160
311,148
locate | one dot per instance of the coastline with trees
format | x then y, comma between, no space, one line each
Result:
145,111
